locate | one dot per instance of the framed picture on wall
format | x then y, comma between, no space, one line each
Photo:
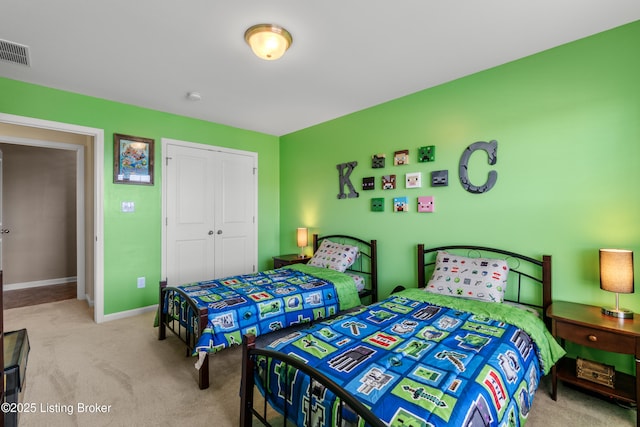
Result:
132,160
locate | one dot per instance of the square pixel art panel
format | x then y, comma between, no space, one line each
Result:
400,204
401,157
425,204
377,204
413,180
388,182
368,183
377,161
427,154
440,178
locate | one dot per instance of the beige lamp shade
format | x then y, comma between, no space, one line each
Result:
268,41
302,237
616,270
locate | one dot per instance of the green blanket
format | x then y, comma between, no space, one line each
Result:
550,350
345,286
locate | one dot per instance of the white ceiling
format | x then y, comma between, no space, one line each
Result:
347,55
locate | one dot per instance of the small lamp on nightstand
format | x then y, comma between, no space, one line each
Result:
616,275
302,240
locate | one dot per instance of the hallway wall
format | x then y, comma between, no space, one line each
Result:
39,209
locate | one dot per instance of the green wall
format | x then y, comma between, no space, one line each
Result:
132,242
567,122
568,131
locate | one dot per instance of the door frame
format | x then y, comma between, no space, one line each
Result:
98,169
200,146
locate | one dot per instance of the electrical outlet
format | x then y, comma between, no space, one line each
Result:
141,282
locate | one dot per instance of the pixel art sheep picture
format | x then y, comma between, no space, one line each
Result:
413,180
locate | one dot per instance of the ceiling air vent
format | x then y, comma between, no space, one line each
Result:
14,52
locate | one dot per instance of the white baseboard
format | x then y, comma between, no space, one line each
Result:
37,283
130,313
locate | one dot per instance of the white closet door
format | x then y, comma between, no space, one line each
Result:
235,244
211,209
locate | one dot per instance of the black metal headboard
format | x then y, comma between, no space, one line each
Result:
529,280
366,264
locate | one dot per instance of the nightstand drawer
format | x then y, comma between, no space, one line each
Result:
603,340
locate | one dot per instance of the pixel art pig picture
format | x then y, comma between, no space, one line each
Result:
425,204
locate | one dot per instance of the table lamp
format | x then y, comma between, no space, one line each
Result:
616,275
302,240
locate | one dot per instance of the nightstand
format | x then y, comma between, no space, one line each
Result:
586,325
282,260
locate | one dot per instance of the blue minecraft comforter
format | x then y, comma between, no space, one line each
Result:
266,301
420,359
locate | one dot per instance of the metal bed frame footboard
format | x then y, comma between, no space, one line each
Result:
348,404
180,314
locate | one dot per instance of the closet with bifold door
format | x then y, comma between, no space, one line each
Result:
210,207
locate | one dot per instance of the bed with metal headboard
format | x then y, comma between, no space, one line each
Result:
365,265
211,315
529,279
418,357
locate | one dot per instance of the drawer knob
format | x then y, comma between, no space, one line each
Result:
592,338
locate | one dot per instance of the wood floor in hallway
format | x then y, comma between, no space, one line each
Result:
39,295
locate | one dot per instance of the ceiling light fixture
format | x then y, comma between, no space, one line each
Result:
268,41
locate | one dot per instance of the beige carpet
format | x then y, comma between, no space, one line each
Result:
121,366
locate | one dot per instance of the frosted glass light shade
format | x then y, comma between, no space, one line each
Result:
268,41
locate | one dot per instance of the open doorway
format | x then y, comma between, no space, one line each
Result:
40,225
88,146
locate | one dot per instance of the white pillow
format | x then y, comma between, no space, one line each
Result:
358,280
334,256
482,279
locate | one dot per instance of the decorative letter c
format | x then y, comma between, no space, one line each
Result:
492,151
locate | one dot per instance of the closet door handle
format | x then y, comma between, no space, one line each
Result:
210,233
4,231
219,231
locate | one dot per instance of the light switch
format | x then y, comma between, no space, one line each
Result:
128,207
